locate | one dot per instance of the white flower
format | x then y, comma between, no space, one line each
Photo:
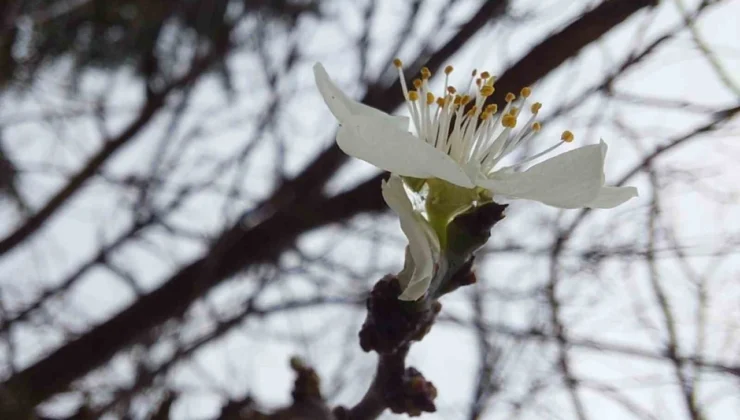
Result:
423,248
465,147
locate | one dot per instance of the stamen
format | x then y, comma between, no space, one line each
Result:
465,127
538,155
567,136
508,121
487,90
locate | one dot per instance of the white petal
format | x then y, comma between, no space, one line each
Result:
610,197
344,107
415,290
569,180
397,151
423,246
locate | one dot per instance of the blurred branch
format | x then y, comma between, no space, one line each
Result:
154,102
669,320
705,49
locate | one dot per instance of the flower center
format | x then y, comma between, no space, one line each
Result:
463,126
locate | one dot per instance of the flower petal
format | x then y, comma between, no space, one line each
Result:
569,180
397,151
416,288
423,243
610,197
344,107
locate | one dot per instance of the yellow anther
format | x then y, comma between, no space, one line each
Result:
448,70
536,126
441,101
451,90
430,98
508,121
567,136
485,115
465,99
510,97
457,100
535,108
471,111
417,83
425,73
526,91
514,111
485,75
492,108
487,90
398,63
413,95
478,82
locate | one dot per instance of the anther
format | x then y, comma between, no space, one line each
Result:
465,99
475,71
486,90
451,90
485,75
492,108
449,70
425,73
441,102
413,95
417,83
485,115
567,136
508,121
514,111
397,63
526,91
430,98
510,97
535,108
536,126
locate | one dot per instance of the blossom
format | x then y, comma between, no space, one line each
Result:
461,140
423,248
